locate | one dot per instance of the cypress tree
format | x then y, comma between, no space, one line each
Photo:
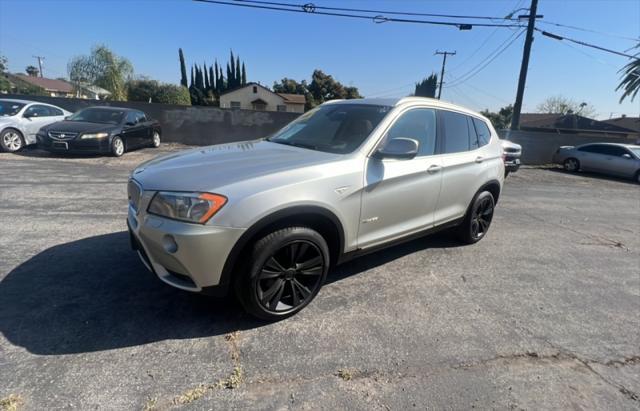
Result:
207,86
199,79
215,70
212,79
229,78
221,81
192,76
232,77
183,69
238,75
244,75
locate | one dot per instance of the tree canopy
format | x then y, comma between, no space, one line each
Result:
322,87
630,83
427,87
104,69
563,105
32,71
501,119
153,91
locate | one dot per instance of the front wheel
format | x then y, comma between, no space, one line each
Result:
478,219
155,141
11,140
285,271
117,147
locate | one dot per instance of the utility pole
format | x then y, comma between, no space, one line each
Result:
517,107
40,58
444,62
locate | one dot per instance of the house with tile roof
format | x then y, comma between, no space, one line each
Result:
254,96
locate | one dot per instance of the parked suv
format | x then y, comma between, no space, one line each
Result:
268,218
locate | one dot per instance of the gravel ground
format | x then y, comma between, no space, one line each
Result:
544,313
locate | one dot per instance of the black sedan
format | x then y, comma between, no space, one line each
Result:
111,130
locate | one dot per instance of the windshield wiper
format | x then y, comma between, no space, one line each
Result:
295,144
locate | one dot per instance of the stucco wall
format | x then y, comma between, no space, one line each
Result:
538,147
194,125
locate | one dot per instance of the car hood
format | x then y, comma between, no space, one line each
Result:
212,167
80,127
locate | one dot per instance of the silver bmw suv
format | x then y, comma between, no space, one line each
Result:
269,218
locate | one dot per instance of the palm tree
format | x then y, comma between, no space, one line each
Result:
630,83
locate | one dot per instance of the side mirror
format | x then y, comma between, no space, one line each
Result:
29,115
399,147
627,156
67,117
129,124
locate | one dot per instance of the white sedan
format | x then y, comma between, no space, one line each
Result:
20,120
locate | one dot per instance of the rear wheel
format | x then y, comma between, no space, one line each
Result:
11,140
117,147
638,176
571,165
285,271
478,219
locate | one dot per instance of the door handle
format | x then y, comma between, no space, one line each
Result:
479,159
433,169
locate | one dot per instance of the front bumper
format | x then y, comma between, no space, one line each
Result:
77,145
187,256
511,164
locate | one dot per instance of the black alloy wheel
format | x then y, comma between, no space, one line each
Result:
287,269
290,276
482,215
476,223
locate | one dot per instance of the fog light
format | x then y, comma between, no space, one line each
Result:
169,244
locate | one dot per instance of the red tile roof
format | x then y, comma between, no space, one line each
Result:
293,98
48,83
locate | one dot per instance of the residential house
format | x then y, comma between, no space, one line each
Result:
90,91
52,87
573,124
631,123
254,96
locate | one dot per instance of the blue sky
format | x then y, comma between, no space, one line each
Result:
380,59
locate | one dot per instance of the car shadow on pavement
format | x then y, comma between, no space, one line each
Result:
39,153
94,294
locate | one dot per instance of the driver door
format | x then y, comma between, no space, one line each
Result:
400,195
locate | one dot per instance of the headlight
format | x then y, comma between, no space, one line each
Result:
191,207
94,135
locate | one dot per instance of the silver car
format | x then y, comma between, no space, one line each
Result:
621,160
20,120
268,218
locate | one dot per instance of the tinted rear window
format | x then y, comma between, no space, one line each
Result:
484,135
456,128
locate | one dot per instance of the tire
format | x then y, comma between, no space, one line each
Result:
637,177
155,139
284,273
117,147
11,140
571,165
506,173
477,221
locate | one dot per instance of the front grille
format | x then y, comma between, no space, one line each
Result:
62,135
133,192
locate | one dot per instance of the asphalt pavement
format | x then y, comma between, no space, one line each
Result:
544,313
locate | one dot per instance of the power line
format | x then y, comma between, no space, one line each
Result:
583,43
488,60
589,30
311,7
375,19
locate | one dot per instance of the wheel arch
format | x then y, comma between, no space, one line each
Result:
493,187
318,218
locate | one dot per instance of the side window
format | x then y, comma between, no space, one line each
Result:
418,124
456,129
140,117
614,151
594,148
484,135
55,111
131,118
37,111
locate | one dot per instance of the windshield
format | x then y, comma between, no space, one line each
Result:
98,115
636,151
334,128
9,108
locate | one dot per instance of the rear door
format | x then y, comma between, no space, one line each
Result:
592,157
462,162
35,117
400,196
